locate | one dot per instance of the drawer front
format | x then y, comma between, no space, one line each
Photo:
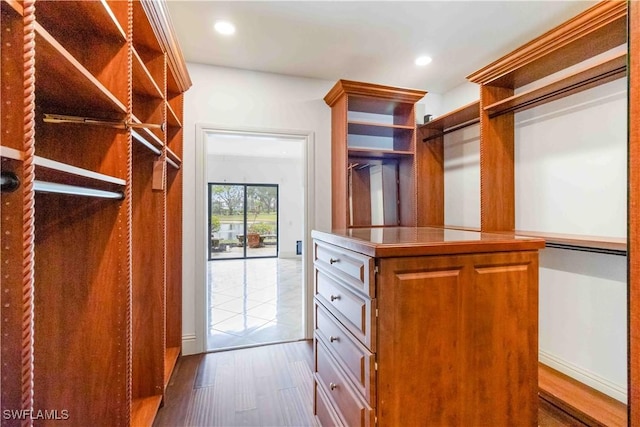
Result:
349,405
325,414
352,309
354,269
354,358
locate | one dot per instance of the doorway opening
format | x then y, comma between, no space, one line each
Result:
255,214
243,221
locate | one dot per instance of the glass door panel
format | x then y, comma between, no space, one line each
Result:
262,220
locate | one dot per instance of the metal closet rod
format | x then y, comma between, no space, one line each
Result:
118,124
73,190
452,129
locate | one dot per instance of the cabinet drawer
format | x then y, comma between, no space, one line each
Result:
354,358
349,405
352,309
325,414
354,269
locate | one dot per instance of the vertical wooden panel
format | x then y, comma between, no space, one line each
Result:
339,185
497,185
634,213
359,186
430,177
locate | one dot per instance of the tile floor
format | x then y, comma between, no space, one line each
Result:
254,301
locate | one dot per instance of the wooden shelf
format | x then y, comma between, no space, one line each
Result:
68,170
610,245
461,228
578,81
68,87
143,82
143,34
16,6
144,410
170,360
376,153
469,113
578,400
173,159
147,134
85,17
172,117
11,153
378,129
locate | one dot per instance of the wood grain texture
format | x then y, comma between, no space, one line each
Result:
634,213
430,179
497,168
411,241
349,87
261,386
339,164
580,401
148,279
478,314
359,209
594,31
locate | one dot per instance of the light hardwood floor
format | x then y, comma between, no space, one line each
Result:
270,385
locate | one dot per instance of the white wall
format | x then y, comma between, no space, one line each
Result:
237,98
570,177
287,173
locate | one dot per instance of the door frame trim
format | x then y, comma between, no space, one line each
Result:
197,344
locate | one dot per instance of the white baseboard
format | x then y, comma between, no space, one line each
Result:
595,381
189,345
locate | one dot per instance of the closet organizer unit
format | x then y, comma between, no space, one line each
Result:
540,65
373,154
91,236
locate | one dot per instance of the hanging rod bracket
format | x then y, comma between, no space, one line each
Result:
117,124
9,182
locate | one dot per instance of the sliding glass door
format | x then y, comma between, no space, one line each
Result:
243,221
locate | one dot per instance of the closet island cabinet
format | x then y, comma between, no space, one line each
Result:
425,326
91,210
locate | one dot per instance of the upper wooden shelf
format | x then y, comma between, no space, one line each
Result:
147,137
143,82
15,5
53,171
93,18
11,153
467,114
63,84
578,81
377,129
596,30
379,153
172,118
610,245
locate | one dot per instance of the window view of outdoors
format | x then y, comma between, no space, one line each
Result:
243,221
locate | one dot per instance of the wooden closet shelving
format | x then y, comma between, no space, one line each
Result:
102,334
595,31
467,115
601,28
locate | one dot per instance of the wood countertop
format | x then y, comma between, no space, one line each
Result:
416,241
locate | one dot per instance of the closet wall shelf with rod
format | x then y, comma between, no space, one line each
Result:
578,81
82,19
138,137
173,159
145,132
597,244
69,83
118,124
458,119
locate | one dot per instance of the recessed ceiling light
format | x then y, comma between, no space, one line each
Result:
423,60
225,27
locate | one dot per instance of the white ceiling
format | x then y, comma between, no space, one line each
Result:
366,41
